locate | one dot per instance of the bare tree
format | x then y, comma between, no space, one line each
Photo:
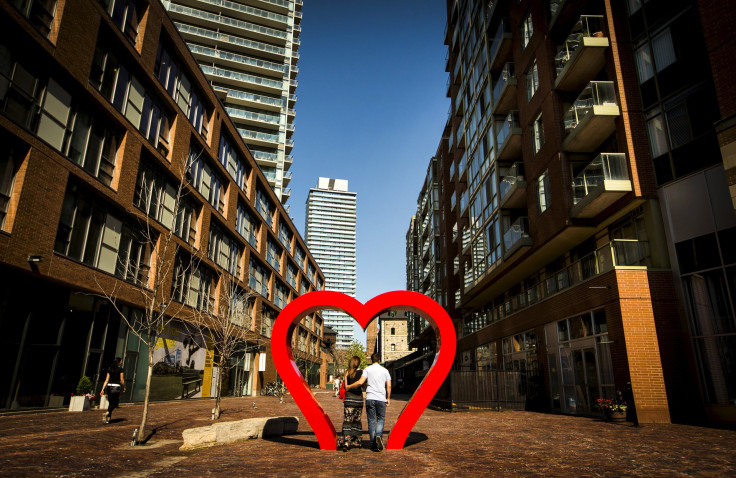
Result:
228,329
172,286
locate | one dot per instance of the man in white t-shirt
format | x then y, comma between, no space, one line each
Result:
377,398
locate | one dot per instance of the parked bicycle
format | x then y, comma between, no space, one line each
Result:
273,389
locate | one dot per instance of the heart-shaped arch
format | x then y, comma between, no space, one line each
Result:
309,303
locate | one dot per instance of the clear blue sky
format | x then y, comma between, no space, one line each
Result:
371,109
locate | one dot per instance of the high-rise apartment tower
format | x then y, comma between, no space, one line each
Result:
248,50
330,235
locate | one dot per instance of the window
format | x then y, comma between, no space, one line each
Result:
179,86
20,90
281,295
267,318
158,198
247,226
125,14
258,278
291,272
393,331
532,81
285,235
310,272
663,52
9,163
527,30
393,347
543,193
128,95
205,180
39,12
192,284
537,134
299,256
234,164
223,250
273,255
264,206
89,234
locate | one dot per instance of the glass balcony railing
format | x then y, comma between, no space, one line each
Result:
596,93
242,59
586,26
503,28
503,80
250,115
213,17
510,122
605,167
233,40
287,174
247,134
242,95
249,10
260,155
461,165
464,201
510,177
617,253
517,231
234,75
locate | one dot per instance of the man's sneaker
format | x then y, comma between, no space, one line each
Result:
379,443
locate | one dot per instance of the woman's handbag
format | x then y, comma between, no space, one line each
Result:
113,388
342,391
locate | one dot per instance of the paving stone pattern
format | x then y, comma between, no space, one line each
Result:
442,444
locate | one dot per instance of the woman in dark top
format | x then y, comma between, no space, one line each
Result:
113,386
351,427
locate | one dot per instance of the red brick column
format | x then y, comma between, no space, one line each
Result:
642,347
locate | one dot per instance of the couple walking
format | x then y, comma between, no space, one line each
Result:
377,398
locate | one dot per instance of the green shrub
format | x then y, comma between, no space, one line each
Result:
84,386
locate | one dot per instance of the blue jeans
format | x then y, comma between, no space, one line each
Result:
376,412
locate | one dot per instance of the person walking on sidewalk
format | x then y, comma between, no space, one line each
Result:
353,407
377,398
113,386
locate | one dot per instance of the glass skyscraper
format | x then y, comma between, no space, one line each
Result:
248,50
330,236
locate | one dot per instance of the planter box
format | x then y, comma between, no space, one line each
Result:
56,401
79,404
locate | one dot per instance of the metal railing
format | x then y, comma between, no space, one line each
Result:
586,26
507,73
605,167
595,93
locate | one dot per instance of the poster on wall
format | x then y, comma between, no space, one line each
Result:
262,362
180,362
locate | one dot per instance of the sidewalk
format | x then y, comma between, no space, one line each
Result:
442,444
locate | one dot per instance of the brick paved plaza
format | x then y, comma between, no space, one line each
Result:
442,444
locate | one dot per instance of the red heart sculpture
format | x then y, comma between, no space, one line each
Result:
309,303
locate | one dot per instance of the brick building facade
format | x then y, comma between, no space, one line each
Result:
581,196
104,115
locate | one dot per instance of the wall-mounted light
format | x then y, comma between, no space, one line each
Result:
35,258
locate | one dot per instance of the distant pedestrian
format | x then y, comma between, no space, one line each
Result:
337,386
353,407
377,398
114,385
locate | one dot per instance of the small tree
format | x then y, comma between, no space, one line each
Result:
356,349
154,284
227,329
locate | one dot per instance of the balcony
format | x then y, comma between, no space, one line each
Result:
501,45
504,90
516,237
604,181
287,177
237,79
591,118
582,55
508,137
512,187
